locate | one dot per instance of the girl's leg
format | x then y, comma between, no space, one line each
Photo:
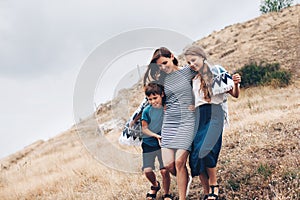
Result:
168,157
182,173
212,174
205,184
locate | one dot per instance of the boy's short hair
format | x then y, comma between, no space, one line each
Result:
154,88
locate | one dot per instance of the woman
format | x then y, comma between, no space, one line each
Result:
210,86
178,123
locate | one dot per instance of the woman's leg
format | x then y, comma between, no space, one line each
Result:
166,180
168,157
182,173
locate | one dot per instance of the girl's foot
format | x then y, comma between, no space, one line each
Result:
213,192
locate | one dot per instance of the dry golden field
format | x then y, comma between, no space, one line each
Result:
259,159
260,154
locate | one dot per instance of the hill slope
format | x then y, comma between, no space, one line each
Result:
272,37
260,155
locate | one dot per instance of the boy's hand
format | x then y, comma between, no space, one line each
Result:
158,137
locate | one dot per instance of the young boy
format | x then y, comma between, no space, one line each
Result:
152,118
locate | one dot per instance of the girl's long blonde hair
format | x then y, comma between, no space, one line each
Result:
206,77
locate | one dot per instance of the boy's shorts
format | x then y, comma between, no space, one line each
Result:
149,155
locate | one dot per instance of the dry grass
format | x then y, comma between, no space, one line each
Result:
259,159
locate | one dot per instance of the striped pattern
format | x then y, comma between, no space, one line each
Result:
179,121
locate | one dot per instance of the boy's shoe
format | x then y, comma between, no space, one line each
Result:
190,178
156,189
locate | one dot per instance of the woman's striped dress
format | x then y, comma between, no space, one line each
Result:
179,121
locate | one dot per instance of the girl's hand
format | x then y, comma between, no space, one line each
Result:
235,91
236,78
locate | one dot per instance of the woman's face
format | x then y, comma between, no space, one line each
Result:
195,62
166,64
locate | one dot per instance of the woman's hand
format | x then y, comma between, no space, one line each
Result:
191,107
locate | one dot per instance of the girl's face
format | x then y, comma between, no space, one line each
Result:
166,64
155,100
195,62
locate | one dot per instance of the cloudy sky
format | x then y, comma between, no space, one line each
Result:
43,45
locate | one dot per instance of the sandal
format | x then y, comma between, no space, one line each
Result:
156,189
167,196
212,195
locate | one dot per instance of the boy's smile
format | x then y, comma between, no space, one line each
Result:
155,100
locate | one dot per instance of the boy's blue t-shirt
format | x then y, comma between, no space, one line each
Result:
154,118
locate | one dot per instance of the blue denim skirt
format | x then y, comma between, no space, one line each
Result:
207,143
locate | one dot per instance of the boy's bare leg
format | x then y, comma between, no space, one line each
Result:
150,175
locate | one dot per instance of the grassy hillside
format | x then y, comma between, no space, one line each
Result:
260,154
259,159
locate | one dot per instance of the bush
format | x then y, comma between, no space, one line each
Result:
274,5
264,74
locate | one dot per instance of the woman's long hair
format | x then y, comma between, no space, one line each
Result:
206,77
153,73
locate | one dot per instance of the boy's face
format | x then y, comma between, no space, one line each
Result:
155,100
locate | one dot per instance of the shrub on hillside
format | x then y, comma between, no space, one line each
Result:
274,5
264,74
